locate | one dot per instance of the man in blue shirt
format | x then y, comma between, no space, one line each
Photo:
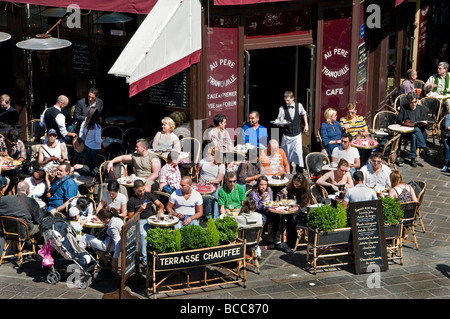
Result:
62,189
253,132
360,192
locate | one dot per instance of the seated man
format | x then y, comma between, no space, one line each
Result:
169,175
8,114
145,163
141,202
360,192
376,174
253,132
12,146
439,82
274,160
417,114
21,206
408,83
231,195
186,204
84,162
349,153
62,188
353,123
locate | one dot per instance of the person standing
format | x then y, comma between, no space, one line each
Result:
53,118
219,136
291,140
253,132
83,105
91,130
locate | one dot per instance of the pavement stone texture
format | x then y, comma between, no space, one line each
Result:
425,273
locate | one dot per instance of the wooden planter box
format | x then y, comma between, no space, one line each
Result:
168,264
331,246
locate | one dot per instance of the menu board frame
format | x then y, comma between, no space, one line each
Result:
369,240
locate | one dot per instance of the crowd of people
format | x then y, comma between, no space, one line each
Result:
241,183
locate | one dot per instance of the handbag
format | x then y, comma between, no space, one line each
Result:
408,123
46,253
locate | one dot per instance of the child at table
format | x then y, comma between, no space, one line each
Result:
85,208
249,217
77,223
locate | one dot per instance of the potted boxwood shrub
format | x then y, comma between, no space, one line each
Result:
228,229
392,214
330,224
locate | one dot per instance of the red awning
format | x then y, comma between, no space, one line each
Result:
397,2
130,6
241,2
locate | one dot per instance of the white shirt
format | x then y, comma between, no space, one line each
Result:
37,190
281,115
89,210
210,172
93,137
348,155
60,121
185,206
117,203
380,181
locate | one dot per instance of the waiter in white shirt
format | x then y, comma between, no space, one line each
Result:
291,141
53,117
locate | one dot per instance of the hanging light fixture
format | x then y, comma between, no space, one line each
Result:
114,17
4,36
46,41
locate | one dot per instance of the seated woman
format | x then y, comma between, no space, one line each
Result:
331,131
249,217
52,153
166,140
274,160
113,199
403,192
91,130
114,225
261,193
337,180
249,170
211,172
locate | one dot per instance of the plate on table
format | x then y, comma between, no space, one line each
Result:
165,222
128,180
278,122
271,204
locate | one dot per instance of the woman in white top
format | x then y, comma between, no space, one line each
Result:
38,184
53,153
166,140
91,130
209,170
113,199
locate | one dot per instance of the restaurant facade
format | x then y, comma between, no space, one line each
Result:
242,56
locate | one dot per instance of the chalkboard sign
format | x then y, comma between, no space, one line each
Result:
369,241
130,247
171,92
81,57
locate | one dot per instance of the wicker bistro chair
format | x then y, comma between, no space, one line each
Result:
390,150
409,221
314,163
252,236
399,101
433,107
382,120
419,189
193,147
16,233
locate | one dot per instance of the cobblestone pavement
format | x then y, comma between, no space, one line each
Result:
424,274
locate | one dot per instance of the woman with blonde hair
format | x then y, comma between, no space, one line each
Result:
166,140
331,131
403,192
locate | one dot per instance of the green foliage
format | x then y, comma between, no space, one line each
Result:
326,218
212,234
228,229
160,240
342,217
193,237
177,237
392,210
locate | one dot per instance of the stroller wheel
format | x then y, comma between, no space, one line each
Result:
53,277
82,284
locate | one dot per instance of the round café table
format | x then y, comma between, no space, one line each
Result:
119,119
283,211
128,181
402,129
206,189
273,182
166,221
365,147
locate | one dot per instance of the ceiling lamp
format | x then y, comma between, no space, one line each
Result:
4,36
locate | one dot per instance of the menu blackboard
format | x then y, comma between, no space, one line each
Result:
368,235
171,92
130,247
81,57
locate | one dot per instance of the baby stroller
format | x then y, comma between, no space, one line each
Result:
62,238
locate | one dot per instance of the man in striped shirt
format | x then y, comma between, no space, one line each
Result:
353,123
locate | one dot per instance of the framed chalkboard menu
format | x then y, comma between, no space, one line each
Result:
81,57
369,241
130,247
171,92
